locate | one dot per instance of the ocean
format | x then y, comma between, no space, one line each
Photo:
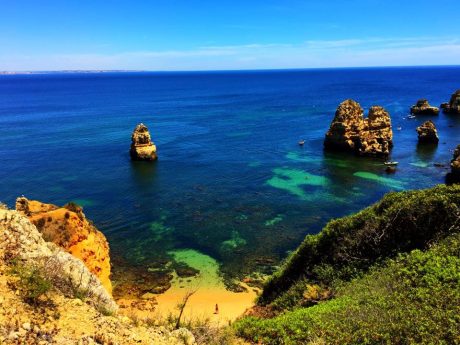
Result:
231,181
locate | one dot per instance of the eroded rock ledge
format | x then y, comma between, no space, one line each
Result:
20,239
351,131
68,228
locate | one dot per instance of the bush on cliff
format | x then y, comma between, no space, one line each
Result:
413,299
392,272
349,246
31,280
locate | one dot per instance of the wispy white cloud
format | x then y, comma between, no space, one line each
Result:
310,53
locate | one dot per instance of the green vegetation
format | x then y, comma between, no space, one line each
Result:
413,299
32,282
348,246
389,274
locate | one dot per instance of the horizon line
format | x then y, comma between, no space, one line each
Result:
89,71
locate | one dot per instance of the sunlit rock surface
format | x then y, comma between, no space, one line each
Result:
427,133
350,131
142,147
68,228
423,107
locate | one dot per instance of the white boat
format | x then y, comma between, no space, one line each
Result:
391,163
301,142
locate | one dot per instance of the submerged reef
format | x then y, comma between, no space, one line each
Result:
424,108
350,131
142,147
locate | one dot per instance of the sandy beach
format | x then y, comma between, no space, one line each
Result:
209,291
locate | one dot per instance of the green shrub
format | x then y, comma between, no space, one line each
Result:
413,299
349,246
32,282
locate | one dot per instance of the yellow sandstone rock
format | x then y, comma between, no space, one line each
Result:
68,228
351,131
142,147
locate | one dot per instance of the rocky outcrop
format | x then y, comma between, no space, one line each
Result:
350,131
427,133
455,166
142,147
345,129
76,310
377,137
424,108
68,228
20,240
453,107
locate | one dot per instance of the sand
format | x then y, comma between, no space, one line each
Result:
209,291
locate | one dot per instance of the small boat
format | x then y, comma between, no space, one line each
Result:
391,163
399,128
302,142
411,117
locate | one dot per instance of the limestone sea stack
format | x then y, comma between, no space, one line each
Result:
423,108
68,228
377,140
453,107
142,147
427,133
350,131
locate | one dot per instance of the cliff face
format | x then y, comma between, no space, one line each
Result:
58,317
20,239
142,147
68,228
350,131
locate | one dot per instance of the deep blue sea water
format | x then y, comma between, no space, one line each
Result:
231,180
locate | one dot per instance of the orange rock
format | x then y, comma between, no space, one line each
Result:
68,227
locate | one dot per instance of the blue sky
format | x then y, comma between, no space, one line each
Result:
209,35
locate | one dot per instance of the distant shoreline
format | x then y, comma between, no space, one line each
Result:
96,71
68,71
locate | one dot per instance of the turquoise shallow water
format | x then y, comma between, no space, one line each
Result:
231,180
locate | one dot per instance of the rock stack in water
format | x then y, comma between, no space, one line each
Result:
427,133
453,107
423,108
350,131
142,147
